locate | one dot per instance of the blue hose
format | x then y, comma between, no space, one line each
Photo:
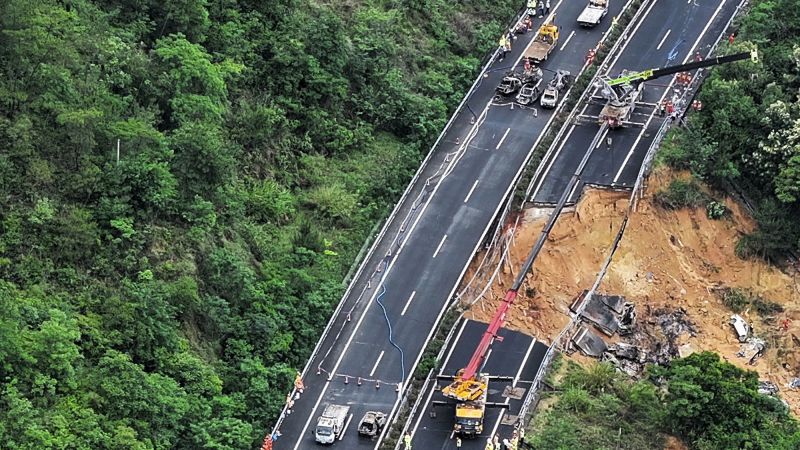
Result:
391,339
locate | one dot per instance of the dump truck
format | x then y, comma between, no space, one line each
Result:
593,12
543,44
372,423
331,424
554,88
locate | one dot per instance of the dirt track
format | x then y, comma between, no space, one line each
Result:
669,259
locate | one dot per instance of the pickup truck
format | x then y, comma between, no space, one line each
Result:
545,41
593,12
331,424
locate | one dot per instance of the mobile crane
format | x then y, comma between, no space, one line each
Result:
623,92
469,386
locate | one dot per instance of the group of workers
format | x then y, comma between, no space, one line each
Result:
544,7
491,443
524,26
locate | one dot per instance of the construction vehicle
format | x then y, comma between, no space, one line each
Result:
469,414
331,424
623,92
372,423
594,11
543,44
560,81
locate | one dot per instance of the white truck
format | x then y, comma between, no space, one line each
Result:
593,12
331,424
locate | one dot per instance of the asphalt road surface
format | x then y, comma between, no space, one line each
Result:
518,356
420,271
694,27
670,34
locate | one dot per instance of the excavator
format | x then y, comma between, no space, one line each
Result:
623,92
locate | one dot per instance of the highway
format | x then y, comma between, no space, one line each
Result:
670,34
694,27
425,249
519,356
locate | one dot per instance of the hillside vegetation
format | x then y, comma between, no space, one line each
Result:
166,299
748,134
709,403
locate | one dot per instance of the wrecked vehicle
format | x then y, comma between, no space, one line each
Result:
372,423
740,326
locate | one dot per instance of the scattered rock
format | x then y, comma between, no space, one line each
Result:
767,387
685,350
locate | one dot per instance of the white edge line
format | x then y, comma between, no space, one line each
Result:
441,243
611,65
433,386
664,39
450,353
347,424
524,361
514,384
378,361
503,138
666,91
405,308
469,194
564,45
553,159
464,270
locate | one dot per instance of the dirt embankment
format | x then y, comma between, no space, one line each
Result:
666,259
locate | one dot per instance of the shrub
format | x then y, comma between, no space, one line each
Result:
681,194
716,210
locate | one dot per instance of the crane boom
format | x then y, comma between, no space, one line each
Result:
468,384
649,74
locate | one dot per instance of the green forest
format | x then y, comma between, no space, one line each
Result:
184,186
746,140
708,403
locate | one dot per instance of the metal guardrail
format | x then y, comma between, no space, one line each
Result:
558,341
509,203
585,94
486,62
636,193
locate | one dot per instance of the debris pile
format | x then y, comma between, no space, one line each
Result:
671,264
611,314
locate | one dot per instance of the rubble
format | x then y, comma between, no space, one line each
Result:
589,342
752,349
611,314
628,358
668,263
685,350
767,387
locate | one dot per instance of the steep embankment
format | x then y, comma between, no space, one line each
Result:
667,259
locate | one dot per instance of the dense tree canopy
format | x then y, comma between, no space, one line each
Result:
165,300
708,403
748,134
